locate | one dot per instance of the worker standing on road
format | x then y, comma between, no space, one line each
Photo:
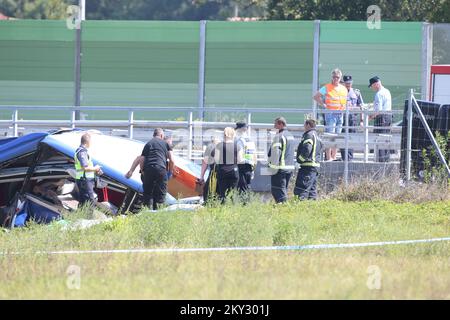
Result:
382,105
308,156
85,172
354,102
333,97
281,160
247,167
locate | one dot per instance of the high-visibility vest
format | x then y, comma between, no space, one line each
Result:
336,97
249,151
79,168
282,159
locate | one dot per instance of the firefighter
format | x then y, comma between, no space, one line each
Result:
247,167
281,160
308,156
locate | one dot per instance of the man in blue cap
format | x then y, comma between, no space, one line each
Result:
354,102
382,105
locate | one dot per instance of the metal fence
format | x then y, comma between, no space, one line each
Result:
191,136
192,133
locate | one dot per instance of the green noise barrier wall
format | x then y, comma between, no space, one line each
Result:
263,64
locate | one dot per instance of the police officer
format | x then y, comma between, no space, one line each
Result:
281,160
308,156
247,167
354,102
85,172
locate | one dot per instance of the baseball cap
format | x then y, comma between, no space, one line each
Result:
373,80
241,124
347,78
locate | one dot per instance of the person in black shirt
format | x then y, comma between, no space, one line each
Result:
154,156
227,155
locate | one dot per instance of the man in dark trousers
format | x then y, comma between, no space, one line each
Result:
247,167
382,105
308,156
155,155
281,160
354,102
85,172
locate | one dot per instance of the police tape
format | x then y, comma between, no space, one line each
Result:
274,248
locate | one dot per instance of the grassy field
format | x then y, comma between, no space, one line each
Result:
394,272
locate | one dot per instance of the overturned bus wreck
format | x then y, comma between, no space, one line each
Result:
37,177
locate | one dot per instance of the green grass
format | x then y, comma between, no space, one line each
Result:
407,271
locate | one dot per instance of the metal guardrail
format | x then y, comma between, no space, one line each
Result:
194,127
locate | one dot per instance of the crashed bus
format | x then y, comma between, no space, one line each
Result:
37,176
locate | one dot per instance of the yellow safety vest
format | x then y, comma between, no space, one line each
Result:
80,170
249,151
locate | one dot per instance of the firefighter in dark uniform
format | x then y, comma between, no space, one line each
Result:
281,161
308,156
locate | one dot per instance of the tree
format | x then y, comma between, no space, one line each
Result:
35,9
398,10
192,10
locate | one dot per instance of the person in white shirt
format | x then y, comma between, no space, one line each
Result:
382,106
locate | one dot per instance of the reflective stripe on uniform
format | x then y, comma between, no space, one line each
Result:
278,144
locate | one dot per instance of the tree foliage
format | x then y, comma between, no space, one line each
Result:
398,10
136,9
391,10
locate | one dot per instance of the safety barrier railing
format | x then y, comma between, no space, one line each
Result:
194,128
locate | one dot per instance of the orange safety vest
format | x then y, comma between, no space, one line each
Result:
336,98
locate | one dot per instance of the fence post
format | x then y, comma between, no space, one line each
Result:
366,136
316,57
347,116
15,117
77,71
190,138
427,57
249,121
201,70
72,118
409,136
130,124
